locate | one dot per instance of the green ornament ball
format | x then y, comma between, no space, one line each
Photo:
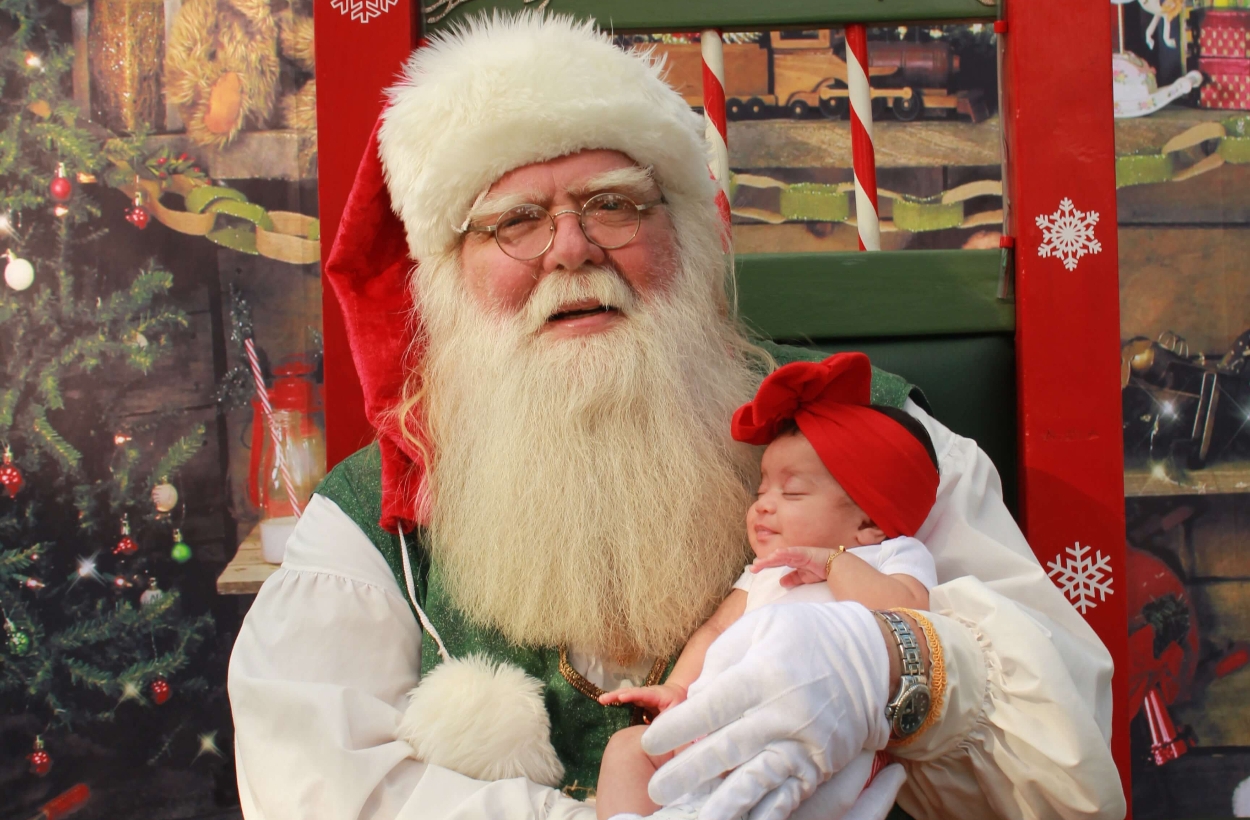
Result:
19,643
181,552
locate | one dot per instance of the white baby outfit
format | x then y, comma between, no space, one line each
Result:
896,556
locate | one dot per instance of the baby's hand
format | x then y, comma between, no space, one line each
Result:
808,564
652,698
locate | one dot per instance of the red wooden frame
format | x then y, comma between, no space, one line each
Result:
1061,142
359,56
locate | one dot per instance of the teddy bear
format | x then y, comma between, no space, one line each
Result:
223,68
295,37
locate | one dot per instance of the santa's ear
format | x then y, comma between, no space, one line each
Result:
869,533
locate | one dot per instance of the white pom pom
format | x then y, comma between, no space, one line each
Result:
1241,799
483,719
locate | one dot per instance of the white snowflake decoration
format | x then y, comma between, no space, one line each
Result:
1068,234
363,10
1082,576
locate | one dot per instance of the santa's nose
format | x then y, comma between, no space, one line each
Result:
570,249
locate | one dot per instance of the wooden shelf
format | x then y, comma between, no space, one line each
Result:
819,143
822,143
1150,133
1216,479
247,570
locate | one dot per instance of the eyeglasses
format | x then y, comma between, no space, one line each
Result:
527,231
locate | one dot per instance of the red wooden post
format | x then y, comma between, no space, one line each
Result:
361,47
1062,141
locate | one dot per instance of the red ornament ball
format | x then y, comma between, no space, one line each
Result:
11,478
138,216
40,761
61,189
126,546
161,690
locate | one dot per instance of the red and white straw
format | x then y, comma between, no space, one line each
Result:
864,158
714,114
262,393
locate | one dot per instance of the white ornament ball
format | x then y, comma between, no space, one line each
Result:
150,596
19,274
165,497
137,339
1241,799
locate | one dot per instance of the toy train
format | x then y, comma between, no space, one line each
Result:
798,72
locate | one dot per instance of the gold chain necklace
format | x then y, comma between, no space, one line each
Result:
578,682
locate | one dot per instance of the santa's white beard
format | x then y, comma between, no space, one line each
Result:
586,491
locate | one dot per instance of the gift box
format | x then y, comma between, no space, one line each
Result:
1225,34
126,45
1228,83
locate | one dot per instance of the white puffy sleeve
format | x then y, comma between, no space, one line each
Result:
318,679
1025,714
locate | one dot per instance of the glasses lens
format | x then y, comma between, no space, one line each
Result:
524,231
610,220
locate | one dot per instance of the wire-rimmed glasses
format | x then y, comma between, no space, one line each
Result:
525,232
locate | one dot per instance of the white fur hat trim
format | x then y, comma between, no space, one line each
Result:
505,91
483,719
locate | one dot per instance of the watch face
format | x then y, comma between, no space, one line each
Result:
913,708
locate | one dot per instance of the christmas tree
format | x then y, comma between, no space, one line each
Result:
95,639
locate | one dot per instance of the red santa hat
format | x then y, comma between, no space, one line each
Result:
492,95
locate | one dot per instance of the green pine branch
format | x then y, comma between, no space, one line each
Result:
54,443
90,676
8,403
50,388
18,560
178,454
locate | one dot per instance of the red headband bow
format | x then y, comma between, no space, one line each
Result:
881,465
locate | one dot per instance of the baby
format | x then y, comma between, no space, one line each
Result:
843,487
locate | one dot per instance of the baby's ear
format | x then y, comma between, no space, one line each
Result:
869,533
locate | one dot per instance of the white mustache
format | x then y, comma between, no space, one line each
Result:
556,290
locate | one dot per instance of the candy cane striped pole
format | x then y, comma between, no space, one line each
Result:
262,393
865,160
714,114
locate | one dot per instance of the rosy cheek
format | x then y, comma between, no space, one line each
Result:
504,290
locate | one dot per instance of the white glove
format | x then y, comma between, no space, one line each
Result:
845,796
788,696
687,808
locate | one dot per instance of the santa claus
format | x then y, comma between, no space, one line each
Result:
536,284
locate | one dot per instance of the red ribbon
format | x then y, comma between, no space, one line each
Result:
879,463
